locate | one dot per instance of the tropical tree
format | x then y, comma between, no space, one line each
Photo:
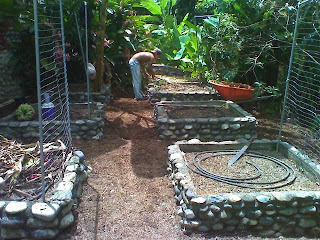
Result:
266,28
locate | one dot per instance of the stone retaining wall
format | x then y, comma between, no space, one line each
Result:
242,125
168,70
28,131
44,220
155,96
105,96
266,214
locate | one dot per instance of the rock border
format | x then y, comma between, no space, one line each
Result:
243,125
104,96
28,131
168,70
155,96
45,220
266,214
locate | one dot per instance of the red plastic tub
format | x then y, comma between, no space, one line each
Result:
233,91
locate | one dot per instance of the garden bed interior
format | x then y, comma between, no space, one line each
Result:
179,88
206,120
29,218
78,94
290,207
81,126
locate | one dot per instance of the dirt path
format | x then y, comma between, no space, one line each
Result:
128,195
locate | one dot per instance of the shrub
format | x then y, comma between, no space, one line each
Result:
25,112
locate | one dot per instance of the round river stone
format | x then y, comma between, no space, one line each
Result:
16,207
45,211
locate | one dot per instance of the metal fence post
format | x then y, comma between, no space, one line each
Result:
289,74
52,92
65,73
87,58
36,32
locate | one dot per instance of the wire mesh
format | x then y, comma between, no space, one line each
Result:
53,101
85,54
302,103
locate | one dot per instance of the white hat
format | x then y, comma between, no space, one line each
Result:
91,69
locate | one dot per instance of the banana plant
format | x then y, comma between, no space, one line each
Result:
177,41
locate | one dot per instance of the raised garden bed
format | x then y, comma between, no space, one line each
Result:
81,127
206,120
168,70
44,220
177,88
291,210
78,94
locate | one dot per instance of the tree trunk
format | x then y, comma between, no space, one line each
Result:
97,85
271,72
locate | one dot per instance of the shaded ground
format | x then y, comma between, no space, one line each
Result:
128,195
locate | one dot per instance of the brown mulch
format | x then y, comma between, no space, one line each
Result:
179,84
129,195
239,170
79,112
198,112
174,79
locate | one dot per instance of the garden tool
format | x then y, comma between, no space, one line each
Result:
240,153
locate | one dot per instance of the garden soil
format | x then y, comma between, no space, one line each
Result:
128,194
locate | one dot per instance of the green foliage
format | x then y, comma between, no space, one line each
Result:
14,12
222,45
265,32
185,7
162,8
125,35
260,89
178,41
205,7
25,112
164,31
247,40
153,7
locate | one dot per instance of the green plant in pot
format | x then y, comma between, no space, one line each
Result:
25,112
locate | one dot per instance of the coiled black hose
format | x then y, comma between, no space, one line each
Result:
289,177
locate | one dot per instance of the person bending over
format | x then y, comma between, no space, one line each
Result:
141,62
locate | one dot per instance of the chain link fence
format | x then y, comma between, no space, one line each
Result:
52,86
301,107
